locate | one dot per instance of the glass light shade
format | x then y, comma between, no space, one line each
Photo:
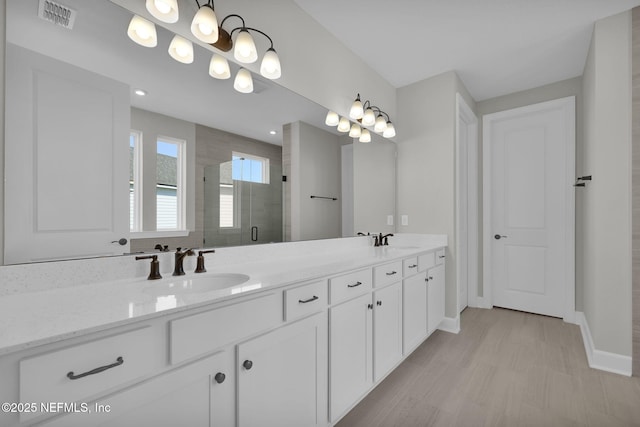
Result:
219,67
245,49
142,32
365,136
332,119
181,49
163,10
355,131
357,111
270,66
243,82
205,25
390,131
381,124
344,125
369,117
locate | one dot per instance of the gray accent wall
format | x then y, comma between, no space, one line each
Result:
635,188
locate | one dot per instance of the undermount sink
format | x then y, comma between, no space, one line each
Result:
195,285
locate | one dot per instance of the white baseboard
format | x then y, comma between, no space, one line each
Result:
482,303
598,359
450,324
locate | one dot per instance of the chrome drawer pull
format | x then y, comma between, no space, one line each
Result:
308,300
72,376
392,273
354,285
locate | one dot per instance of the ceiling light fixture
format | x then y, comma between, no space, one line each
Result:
219,67
142,32
205,23
140,92
332,119
243,82
357,111
164,10
355,131
365,136
344,125
181,49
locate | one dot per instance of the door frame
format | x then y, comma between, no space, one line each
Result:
567,105
465,118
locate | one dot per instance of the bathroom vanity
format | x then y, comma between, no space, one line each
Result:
289,334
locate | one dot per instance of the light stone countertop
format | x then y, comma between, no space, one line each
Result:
30,319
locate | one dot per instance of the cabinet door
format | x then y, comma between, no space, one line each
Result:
414,312
282,376
183,397
350,353
387,329
436,296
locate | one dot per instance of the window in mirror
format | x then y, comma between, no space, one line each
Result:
228,197
170,206
250,168
135,170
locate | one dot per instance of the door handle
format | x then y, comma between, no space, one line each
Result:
498,237
254,234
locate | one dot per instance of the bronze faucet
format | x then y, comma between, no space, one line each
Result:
178,270
200,265
386,239
154,273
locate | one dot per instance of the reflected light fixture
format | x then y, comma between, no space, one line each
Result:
245,48
270,66
205,23
366,115
355,131
142,32
163,10
181,49
219,67
332,119
357,111
365,136
344,125
243,82
140,92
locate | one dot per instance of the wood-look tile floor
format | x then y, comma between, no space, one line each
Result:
505,368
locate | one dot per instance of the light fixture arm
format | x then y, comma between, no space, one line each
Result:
252,29
208,3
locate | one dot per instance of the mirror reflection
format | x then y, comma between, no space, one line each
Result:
76,95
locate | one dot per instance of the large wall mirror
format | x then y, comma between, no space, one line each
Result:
203,166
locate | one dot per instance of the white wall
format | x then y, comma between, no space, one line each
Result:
153,126
315,157
606,204
426,164
3,33
374,183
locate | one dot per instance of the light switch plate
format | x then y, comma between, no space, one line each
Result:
389,219
405,219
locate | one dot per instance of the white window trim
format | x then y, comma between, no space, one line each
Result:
181,183
263,160
137,181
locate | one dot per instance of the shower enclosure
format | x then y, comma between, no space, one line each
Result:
242,202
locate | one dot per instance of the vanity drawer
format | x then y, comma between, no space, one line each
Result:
47,378
440,256
387,274
204,332
350,285
409,266
305,300
426,261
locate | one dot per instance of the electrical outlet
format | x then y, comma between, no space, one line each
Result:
389,219
405,219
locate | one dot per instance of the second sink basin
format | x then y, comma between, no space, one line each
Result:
180,285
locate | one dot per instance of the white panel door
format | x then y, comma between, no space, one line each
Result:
66,160
530,227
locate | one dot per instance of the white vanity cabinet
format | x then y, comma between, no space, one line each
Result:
436,294
365,341
200,394
414,311
282,376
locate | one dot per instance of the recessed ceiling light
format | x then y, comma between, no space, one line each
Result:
140,92
273,132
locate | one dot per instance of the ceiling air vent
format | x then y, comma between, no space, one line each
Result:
57,13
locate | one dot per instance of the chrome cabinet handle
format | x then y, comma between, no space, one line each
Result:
72,376
308,300
354,285
392,273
